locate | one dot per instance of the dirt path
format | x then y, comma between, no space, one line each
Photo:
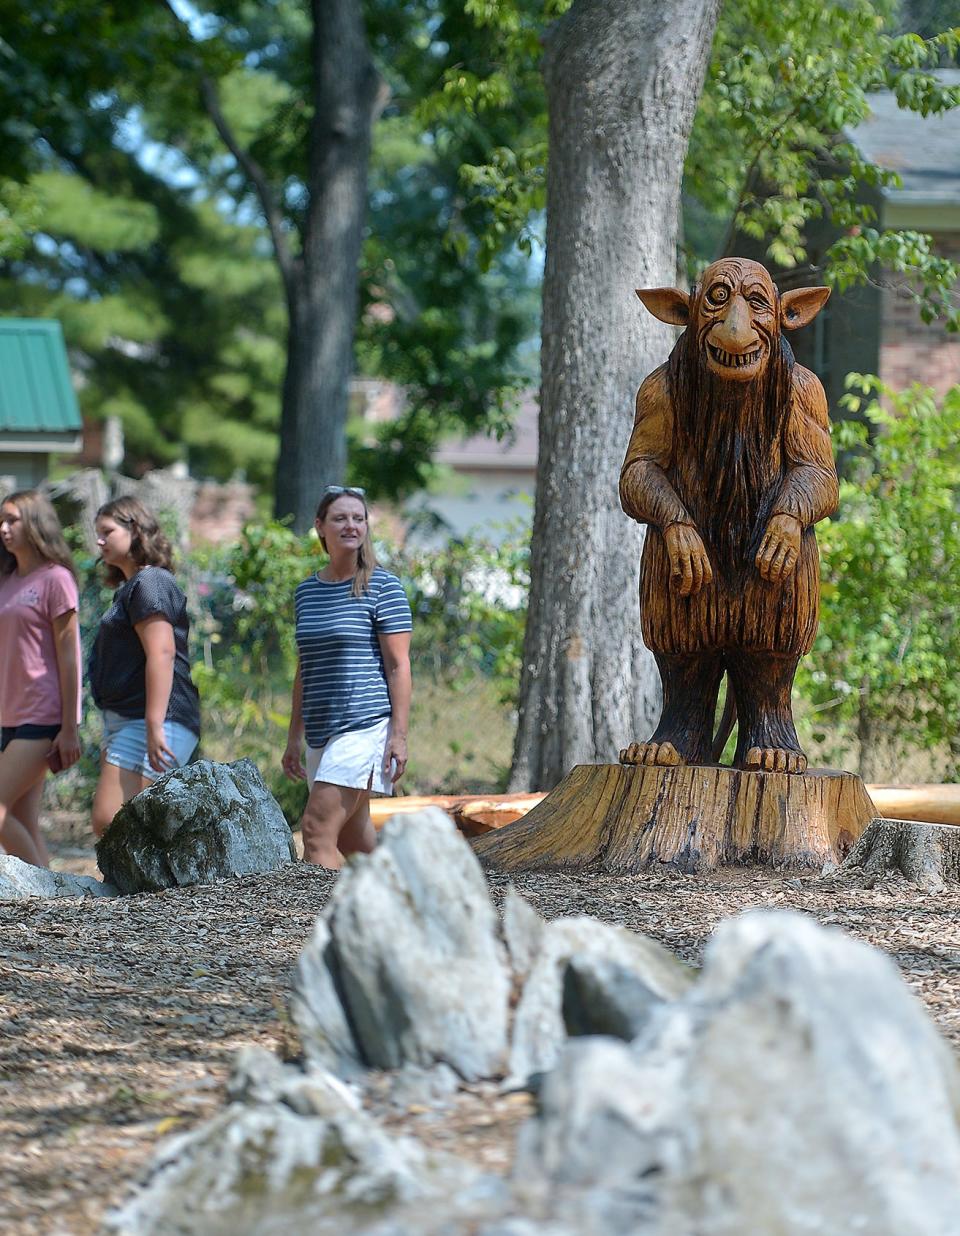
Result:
118,1019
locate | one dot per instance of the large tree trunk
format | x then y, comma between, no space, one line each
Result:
322,283
623,78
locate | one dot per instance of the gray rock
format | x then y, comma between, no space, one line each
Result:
269,1170
798,1088
195,825
416,1086
604,997
19,880
414,956
293,1152
597,1148
317,1009
539,1033
259,1077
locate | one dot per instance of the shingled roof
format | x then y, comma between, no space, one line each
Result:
924,150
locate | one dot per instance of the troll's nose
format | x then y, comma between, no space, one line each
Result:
735,333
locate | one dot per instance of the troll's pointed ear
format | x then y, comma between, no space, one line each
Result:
670,305
799,307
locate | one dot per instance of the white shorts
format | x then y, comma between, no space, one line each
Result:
354,759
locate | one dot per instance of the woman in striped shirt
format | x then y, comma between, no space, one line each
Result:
351,694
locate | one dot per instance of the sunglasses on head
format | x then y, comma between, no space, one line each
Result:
353,490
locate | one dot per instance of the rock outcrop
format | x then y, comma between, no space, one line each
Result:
19,879
195,825
792,1087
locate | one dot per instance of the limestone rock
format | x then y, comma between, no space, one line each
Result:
603,997
294,1152
195,825
317,1009
539,1033
797,1088
413,955
19,879
267,1169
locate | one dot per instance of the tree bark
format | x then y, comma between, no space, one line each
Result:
623,79
926,854
322,282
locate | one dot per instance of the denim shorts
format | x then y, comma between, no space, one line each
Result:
124,743
10,732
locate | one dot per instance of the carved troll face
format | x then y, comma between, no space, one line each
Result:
737,314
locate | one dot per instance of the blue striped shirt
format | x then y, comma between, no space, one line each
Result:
341,665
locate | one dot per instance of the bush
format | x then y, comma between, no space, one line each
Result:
884,667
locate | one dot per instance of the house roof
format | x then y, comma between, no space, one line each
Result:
36,395
516,452
924,150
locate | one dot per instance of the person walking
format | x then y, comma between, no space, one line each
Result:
39,667
140,667
351,693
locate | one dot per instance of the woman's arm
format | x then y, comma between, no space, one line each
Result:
292,762
396,663
65,641
156,636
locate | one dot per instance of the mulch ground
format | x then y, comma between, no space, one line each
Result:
119,1018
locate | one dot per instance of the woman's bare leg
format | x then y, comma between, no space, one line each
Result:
22,766
328,809
358,836
115,787
27,811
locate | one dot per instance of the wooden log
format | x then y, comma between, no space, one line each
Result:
935,804
927,854
691,818
473,814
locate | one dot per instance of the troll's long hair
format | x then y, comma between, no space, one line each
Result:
43,531
727,459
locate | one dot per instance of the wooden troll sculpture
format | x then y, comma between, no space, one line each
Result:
730,465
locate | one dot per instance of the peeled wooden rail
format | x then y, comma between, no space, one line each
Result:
475,814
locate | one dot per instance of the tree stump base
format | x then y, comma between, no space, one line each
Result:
927,854
622,820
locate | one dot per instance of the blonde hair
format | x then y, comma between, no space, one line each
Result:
43,530
148,544
366,555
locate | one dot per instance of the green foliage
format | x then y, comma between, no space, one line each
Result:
469,601
767,155
768,152
127,218
889,642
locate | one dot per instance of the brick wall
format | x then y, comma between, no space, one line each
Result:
912,350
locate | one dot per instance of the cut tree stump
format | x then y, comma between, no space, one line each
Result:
927,854
626,819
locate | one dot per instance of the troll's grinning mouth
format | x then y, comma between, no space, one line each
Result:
730,360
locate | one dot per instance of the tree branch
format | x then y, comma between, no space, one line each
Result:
210,98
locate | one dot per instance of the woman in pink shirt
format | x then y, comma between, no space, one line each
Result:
39,666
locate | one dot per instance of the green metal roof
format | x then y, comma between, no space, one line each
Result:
36,395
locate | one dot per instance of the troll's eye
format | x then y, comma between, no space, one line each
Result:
719,294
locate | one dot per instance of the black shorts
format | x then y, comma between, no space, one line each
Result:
10,732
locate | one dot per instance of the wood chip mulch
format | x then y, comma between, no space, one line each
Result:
119,1018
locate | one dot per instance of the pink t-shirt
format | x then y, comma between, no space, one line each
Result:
29,681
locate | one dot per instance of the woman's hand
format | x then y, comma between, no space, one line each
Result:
67,746
395,757
159,755
292,762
